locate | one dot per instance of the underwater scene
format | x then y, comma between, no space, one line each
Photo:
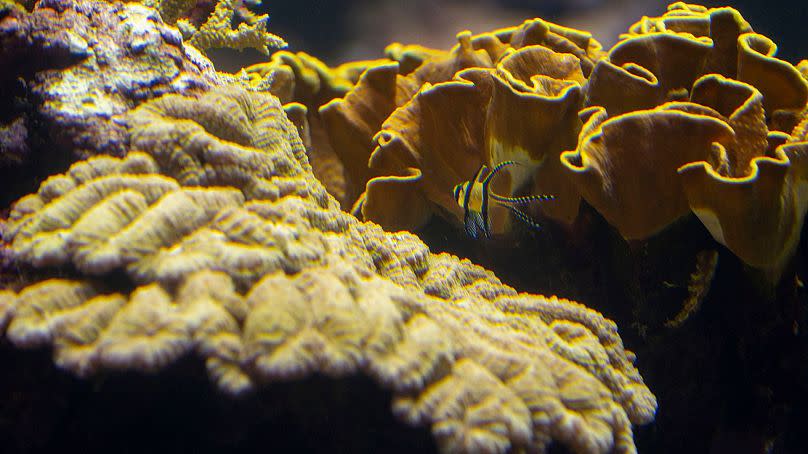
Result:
423,226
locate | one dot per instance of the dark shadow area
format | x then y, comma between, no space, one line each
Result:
321,27
44,410
733,378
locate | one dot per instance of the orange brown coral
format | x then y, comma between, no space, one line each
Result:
423,145
626,166
411,129
304,83
693,67
728,74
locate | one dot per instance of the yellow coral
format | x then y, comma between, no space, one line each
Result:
217,31
441,136
304,83
231,133
16,4
626,166
759,214
744,184
171,10
743,180
352,121
267,286
303,78
409,129
531,119
467,111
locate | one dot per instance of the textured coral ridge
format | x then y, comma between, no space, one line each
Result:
217,29
690,112
237,254
303,84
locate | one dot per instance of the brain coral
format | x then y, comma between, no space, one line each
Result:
233,251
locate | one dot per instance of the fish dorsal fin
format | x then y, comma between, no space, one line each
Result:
497,168
482,174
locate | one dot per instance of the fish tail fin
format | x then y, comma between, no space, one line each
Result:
523,200
524,217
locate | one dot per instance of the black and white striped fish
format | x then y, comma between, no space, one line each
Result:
473,196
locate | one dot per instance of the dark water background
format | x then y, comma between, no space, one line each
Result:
338,31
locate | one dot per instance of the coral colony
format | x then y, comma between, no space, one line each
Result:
222,203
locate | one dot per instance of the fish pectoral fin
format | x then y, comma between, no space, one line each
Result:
470,226
479,224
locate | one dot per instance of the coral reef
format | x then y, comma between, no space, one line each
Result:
428,122
14,148
207,25
93,60
741,164
427,119
303,84
182,220
217,29
230,246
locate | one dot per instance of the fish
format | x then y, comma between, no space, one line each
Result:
473,196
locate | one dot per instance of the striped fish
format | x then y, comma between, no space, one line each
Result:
473,196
